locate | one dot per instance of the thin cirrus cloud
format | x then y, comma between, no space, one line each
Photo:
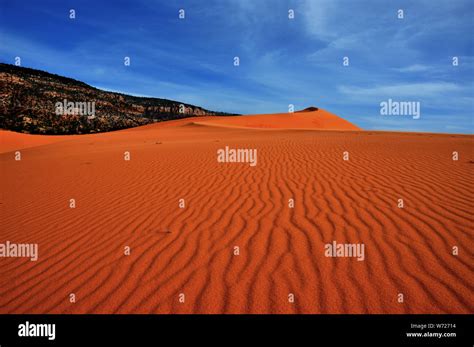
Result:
413,68
282,61
408,90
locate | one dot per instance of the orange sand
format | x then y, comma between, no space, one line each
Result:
12,141
133,203
311,120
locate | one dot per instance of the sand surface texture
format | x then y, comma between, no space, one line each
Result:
191,250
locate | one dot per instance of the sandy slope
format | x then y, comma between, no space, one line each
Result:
319,119
12,141
134,203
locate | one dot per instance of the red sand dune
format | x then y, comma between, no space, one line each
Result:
311,118
12,141
135,203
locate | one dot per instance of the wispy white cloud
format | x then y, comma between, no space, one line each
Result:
319,18
413,68
414,90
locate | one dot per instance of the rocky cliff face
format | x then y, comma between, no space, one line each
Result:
38,102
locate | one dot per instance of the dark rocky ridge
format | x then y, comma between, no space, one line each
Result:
28,100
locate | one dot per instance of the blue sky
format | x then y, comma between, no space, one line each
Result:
282,61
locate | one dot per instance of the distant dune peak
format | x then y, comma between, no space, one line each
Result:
311,118
309,109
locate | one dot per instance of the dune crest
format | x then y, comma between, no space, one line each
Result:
309,109
310,118
13,141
